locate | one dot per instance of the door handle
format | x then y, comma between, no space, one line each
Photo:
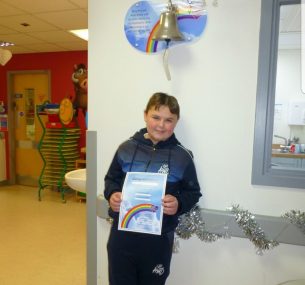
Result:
102,207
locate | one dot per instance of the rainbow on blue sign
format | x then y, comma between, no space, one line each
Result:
142,21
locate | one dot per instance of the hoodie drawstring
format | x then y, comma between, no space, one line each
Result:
133,157
149,162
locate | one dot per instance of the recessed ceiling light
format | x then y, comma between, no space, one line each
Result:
6,44
83,34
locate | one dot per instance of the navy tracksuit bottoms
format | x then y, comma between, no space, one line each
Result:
137,258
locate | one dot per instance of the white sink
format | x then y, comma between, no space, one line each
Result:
76,179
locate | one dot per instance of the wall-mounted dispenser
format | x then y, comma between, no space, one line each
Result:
296,113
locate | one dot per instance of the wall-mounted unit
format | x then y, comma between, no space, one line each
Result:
296,113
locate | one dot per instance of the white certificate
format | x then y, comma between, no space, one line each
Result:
141,207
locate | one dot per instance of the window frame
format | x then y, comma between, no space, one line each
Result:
262,172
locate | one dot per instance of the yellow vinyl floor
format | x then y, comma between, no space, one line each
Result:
41,242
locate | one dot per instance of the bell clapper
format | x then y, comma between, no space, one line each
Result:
168,31
165,60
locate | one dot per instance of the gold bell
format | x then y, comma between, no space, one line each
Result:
168,28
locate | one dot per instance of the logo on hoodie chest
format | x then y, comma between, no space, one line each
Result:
164,169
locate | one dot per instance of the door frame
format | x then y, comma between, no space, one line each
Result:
11,117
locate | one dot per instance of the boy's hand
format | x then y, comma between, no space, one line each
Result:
115,201
170,205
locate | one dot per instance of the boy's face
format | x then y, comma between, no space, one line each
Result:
160,123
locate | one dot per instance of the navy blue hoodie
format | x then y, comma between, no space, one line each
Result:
139,154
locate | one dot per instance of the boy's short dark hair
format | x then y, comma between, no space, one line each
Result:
159,99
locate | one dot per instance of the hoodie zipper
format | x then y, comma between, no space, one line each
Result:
151,156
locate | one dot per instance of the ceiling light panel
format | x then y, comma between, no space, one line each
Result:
83,34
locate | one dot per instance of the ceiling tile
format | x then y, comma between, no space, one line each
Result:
20,49
78,45
80,3
35,24
36,6
20,39
54,36
7,10
5,31
75,19
49,24
46,47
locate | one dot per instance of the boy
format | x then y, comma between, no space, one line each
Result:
139,258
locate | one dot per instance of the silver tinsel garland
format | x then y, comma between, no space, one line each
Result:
252,230
297,218
191,223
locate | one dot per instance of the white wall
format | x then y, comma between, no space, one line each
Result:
215,82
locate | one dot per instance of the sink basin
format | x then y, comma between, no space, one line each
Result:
76,179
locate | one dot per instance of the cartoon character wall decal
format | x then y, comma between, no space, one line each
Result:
80,81
80,99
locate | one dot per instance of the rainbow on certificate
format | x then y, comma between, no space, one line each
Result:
134,211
